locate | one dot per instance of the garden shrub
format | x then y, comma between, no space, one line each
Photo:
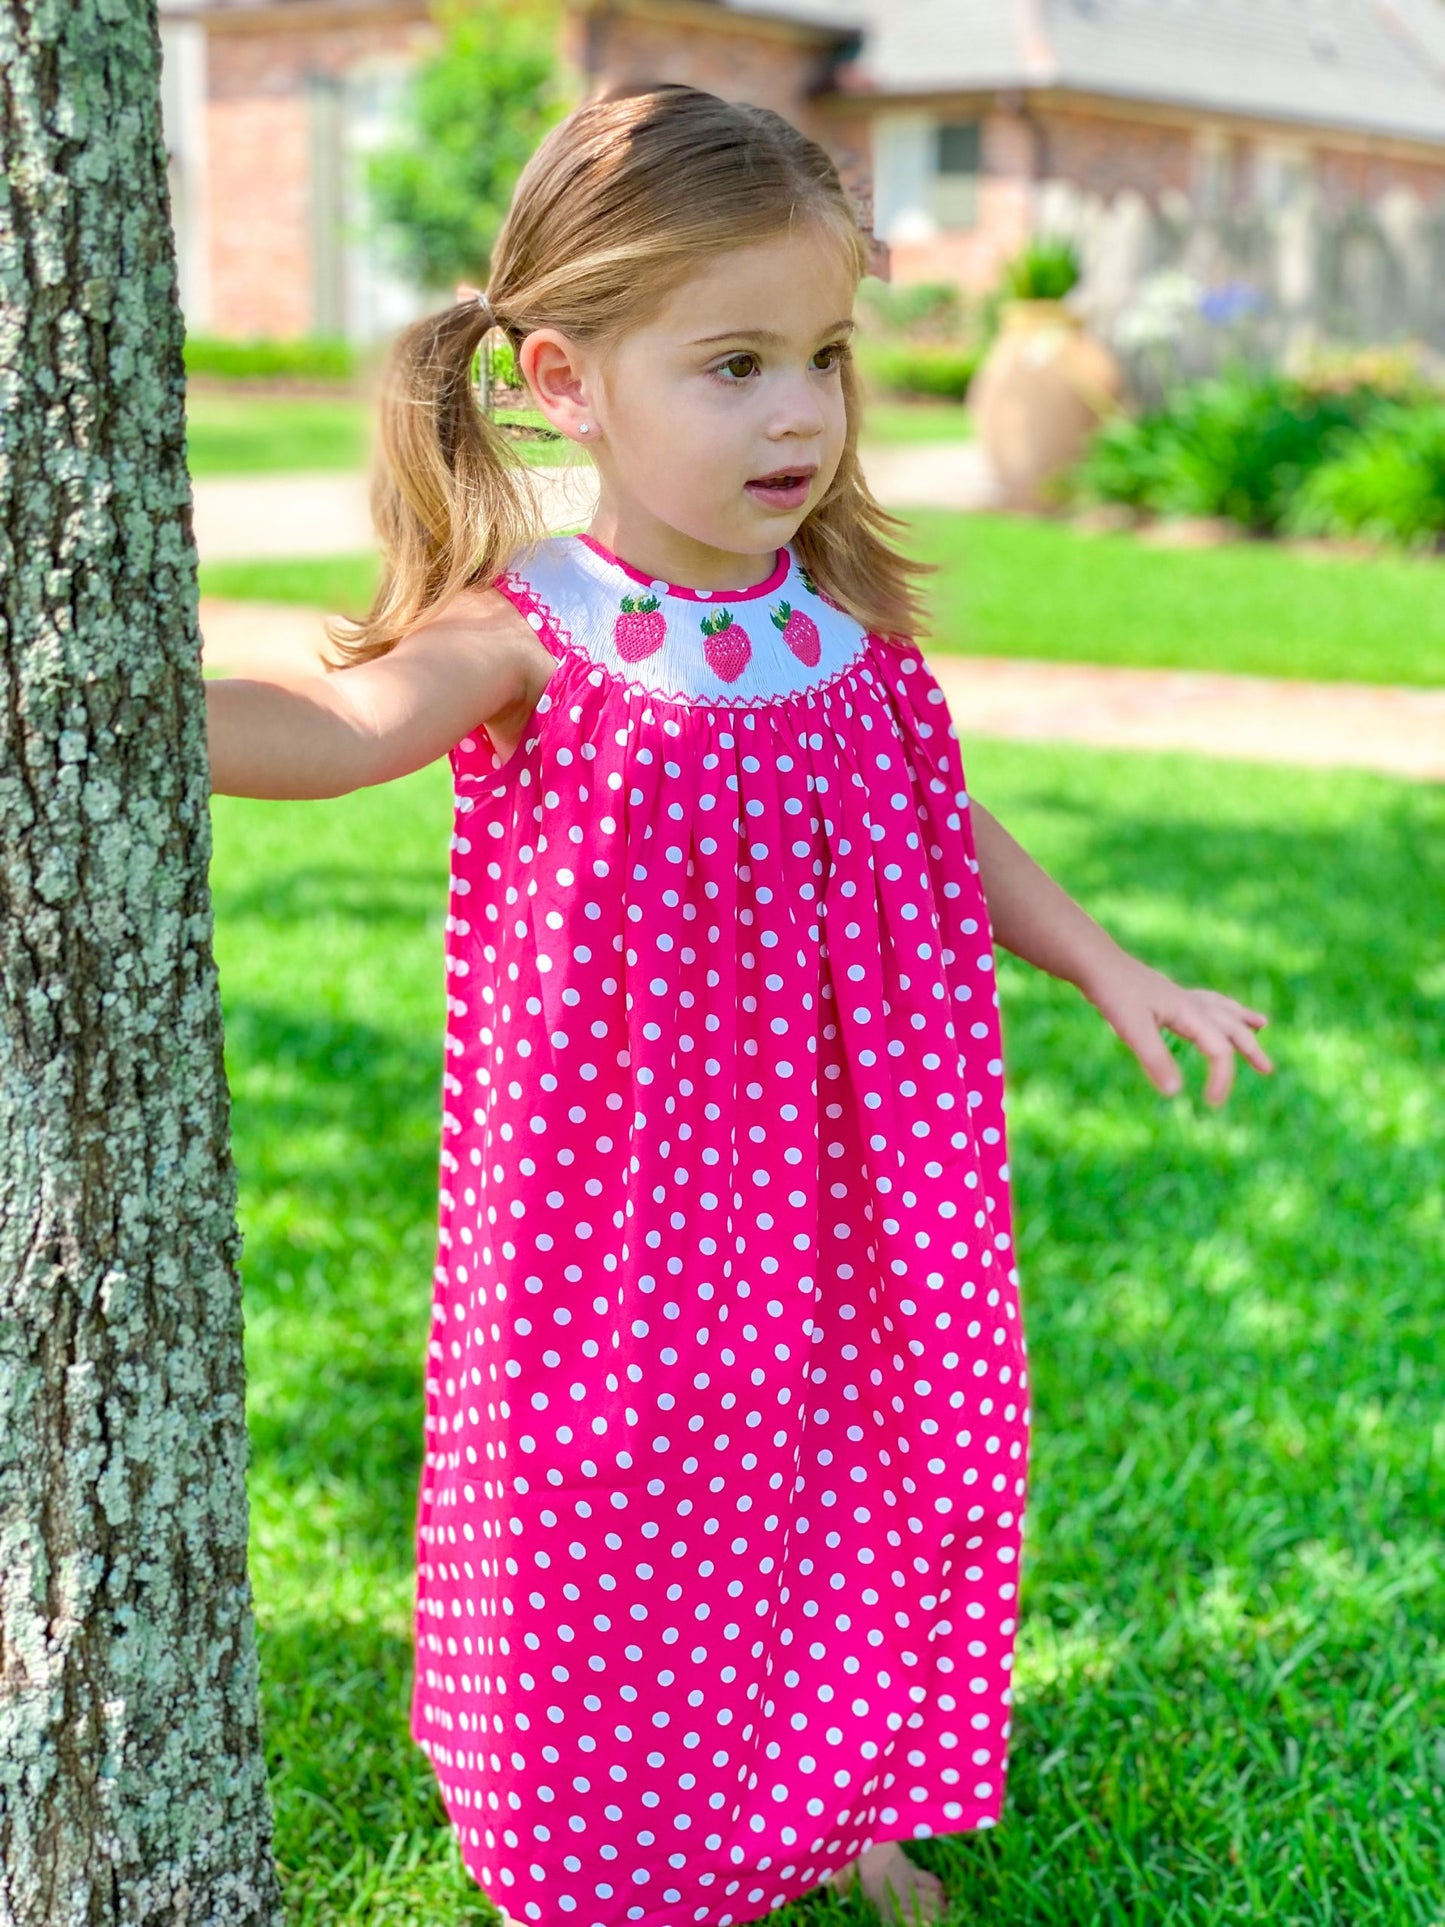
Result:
919,310
496,361
1238,446
1387,484
921,367
1127,462
920,338
312,358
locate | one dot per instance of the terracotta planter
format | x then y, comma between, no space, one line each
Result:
1040,392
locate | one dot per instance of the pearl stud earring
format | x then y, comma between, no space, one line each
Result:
582,428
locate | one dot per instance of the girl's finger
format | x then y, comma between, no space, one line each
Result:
1245,1044
1220,1081
1215,1045
1256,1019
1231,1006
1153,1053
1236,1022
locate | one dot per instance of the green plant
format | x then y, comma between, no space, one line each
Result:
476,109
919,367
916,311
1127,461
1388,484
1238,445
503,364
311,357
1044,270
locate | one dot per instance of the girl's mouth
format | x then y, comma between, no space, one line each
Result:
784,489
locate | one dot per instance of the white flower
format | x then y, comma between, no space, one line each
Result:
1162,302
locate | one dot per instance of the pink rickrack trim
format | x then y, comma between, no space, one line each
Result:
774,580
525,598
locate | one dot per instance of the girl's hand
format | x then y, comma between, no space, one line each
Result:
1140,1003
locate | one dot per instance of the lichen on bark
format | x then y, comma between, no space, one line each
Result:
132,1781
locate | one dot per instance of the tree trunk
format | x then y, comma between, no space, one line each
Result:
132,1784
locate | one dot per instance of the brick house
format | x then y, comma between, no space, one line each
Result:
967,124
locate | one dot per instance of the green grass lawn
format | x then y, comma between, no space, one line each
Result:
239,434
233,433
1013,586
343,584
921,419
1230,1683
1016,586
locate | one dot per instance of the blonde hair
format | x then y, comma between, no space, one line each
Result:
613,212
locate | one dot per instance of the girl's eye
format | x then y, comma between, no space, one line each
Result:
740,367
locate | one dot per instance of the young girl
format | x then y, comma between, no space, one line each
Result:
727,1393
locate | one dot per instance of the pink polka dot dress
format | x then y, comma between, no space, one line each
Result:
721,1513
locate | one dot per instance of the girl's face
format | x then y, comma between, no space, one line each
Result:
736,380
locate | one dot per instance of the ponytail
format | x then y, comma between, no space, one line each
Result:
452,499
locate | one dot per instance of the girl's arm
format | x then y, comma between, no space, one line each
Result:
1038,921
299,736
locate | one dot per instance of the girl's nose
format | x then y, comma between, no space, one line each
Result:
800,412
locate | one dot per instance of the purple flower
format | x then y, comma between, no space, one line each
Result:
1231,301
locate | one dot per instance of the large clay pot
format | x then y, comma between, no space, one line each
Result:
1041,390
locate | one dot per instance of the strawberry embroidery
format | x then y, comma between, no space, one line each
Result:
727,648
800,632
640,629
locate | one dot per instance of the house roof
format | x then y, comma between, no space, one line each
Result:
1372,65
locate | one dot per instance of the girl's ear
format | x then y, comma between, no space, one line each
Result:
553,371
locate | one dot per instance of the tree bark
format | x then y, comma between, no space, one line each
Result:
132,1783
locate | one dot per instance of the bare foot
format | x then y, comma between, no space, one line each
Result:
888,1878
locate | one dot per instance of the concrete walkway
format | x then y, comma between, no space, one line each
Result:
1399,732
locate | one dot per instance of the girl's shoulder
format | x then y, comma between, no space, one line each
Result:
480,625
473,663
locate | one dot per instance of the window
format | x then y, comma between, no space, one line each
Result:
1281,175
957,157
1214,165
